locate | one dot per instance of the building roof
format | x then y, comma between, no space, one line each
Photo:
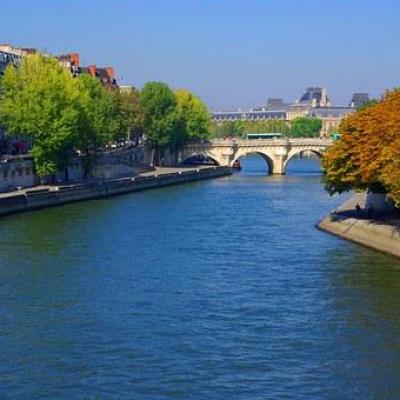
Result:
7,58
331,112
359,99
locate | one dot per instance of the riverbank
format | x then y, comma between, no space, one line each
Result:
53,195
380,231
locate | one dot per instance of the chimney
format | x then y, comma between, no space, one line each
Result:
110,72
28,51
92,70
75,60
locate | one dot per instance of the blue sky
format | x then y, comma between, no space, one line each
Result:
230,52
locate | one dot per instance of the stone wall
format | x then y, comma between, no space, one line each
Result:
56,195
120,162
379,230
378,236
18,171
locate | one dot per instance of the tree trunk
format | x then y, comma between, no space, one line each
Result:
155,157
153,153
86,164
176,157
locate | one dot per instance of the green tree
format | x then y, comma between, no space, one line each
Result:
269,126
228,129
367,104
242,128
99,118
216,130
305,127
130,115
39,100
194,120
160,116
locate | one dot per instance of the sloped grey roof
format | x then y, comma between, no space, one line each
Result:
332,112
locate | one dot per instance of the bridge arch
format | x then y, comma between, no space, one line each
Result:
269,158
298,151
199,156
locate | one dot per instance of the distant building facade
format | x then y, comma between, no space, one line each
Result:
313,103
71,61
8,56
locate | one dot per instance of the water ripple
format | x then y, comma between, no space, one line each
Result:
212,290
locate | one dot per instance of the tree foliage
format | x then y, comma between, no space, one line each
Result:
130,115
299,127
99,118
99,124
242,128
39,101
160,116
367,157
59,113
303,127
220,130
194,120
367,104
62,114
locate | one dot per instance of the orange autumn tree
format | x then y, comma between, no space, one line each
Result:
367,157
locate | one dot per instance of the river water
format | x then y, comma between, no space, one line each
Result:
220,289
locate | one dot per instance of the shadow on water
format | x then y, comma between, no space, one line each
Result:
305,165
254,164
48,232
363,324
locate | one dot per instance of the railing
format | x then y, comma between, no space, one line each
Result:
9,158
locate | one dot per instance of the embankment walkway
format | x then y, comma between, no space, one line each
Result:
380,231
53,195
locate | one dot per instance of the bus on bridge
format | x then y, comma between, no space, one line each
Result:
257,136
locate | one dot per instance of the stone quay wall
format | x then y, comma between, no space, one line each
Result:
18,172
36,198
380,231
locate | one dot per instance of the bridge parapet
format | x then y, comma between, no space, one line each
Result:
311,141
273,142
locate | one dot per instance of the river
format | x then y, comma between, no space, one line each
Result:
219,289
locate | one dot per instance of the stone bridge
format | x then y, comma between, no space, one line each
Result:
276,152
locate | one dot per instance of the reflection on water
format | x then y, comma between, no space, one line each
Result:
211,290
